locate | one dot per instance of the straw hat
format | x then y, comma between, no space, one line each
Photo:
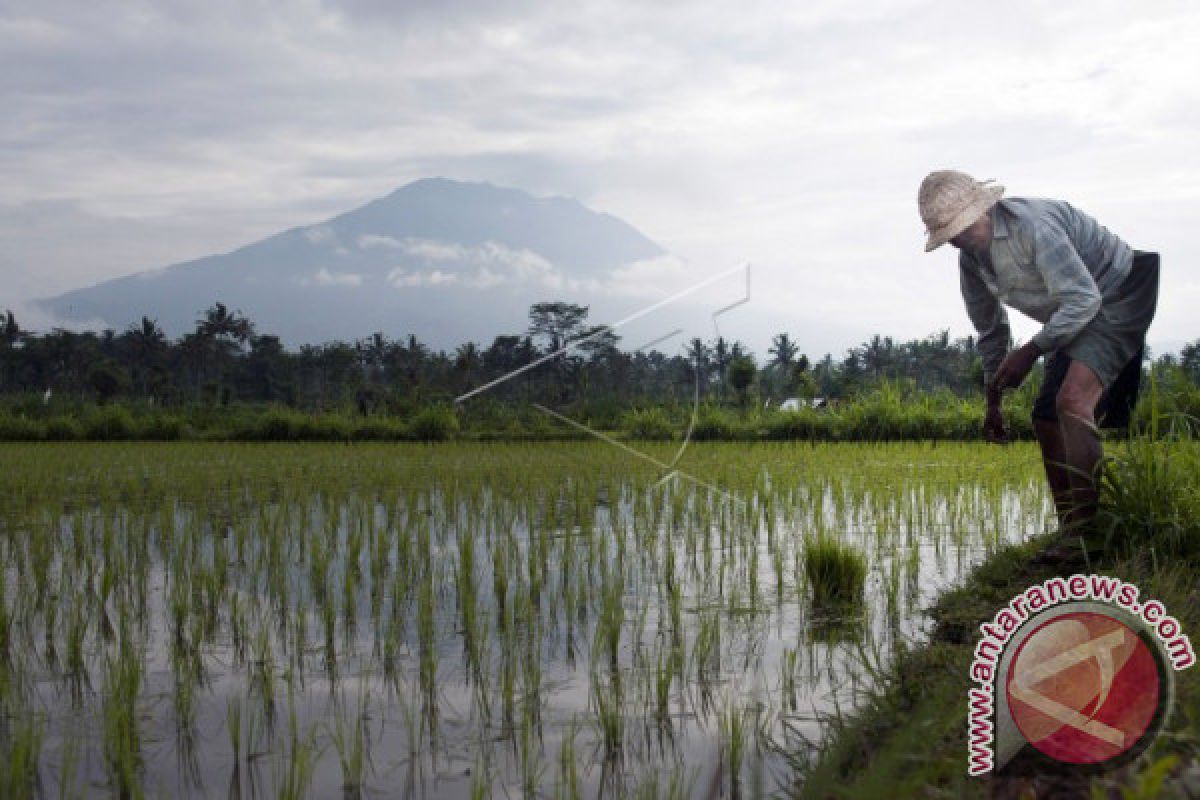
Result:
950,201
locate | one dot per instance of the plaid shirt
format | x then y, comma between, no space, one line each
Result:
1049,261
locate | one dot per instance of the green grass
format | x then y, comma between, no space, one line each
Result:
908,738
890,412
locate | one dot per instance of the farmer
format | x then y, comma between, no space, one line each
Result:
1095,298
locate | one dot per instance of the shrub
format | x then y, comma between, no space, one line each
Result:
650,423
713,424
434,424
378,429
14,428
162,427
321,428
108,423
804,423
277,424
63,429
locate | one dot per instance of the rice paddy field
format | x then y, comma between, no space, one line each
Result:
467,620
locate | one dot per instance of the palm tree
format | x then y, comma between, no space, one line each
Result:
192,352
10,332
784,351
227,334
374,350
466,362
147,343
721,356
878,354
698,354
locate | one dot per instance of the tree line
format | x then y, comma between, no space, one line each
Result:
226,359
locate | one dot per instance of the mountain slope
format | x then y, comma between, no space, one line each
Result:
445,260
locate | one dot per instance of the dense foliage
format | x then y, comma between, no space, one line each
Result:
226,381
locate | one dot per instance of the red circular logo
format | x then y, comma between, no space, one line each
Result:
1083,688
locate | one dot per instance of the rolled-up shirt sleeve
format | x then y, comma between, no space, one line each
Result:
988,316
1068,282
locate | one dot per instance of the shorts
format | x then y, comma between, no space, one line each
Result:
1113,344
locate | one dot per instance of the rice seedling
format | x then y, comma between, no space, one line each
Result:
295,765
122,734
233,726
67,763
567,786
349,733
836,571
508,587
731,722
609,710
20,752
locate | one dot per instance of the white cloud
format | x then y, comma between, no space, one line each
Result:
430,250
320,234
369,240
326,277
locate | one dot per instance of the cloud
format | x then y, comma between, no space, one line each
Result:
325,277
320,234
370,240
789,135
402,278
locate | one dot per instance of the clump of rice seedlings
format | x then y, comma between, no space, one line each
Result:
480,780
664,673
262,675
706,647
787,677
731,720
74,664
122,735
676,787
68,762
836,571
20,749
609,716
233,726
529,754
568,787
611,619
427,641
295,766
328,611
349,738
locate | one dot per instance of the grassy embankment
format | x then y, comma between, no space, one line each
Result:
889,412
909,737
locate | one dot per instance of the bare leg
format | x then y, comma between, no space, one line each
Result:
1054,459
1076,405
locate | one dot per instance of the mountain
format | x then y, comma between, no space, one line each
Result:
446,260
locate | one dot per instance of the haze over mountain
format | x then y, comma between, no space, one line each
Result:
445,260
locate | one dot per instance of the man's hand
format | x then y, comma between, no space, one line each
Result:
1015,367
993,421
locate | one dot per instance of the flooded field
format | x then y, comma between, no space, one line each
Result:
466,620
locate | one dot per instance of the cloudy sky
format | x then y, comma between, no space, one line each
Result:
791,135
